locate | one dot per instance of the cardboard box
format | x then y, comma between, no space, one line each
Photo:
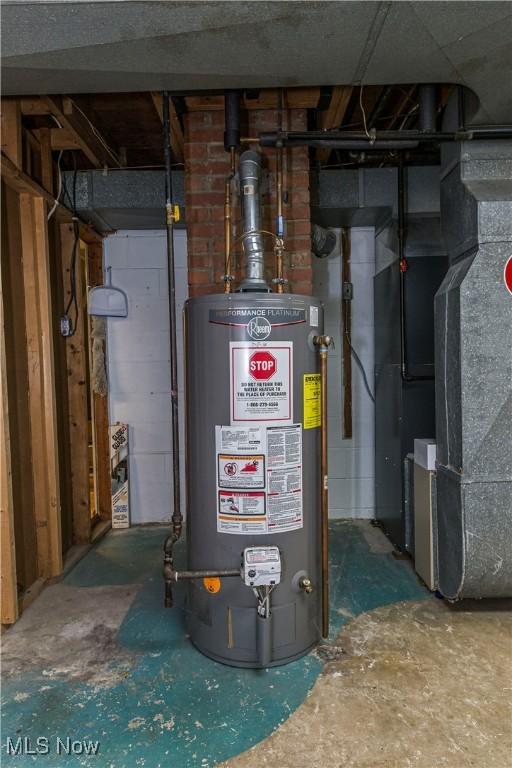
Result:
119,472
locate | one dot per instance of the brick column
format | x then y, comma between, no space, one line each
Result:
206,168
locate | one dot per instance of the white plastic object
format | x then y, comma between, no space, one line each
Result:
425,453
261,566
107,301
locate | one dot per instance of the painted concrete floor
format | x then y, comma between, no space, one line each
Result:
404,681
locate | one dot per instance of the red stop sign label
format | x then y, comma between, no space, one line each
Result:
507,274
262,365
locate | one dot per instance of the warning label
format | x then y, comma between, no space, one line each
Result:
284,478
259,489
241,512
312,400
239,471
261,381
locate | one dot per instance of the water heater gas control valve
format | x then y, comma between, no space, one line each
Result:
261,566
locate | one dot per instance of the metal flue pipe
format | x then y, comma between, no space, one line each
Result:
427,95
249,171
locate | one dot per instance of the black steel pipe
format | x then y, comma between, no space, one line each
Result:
356,146
232,120
402,266
206,574
427,96
170,213
325,138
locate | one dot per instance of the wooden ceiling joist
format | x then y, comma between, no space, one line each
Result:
89,142
177,138
34,106
334,114
60,138
266,98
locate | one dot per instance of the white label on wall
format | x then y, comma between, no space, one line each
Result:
313,317
261,382
259,486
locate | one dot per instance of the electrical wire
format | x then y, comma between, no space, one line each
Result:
363,110
59,170
59,191
356,357
73,299
98,135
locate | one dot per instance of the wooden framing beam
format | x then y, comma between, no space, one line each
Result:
19,181
334,114
77,391
41,368
9,592
34,106
74,121
60,138
177,138
46,159
12,143
266,98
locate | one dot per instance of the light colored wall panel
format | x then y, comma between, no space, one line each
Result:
139,364
351,462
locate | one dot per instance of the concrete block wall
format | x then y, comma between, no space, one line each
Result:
139,363
206,167
351,462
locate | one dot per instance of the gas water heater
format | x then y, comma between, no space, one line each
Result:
255,464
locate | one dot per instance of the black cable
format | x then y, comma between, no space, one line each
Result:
356,357
73,299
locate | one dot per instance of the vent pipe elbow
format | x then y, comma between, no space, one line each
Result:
249,171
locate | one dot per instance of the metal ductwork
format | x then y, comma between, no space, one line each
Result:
252,238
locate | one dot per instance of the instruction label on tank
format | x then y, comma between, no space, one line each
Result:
284,478
259,486
241,512
312,400
246,439
261,379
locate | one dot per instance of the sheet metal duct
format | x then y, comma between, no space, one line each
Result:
474,374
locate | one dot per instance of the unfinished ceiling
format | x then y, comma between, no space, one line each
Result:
94,47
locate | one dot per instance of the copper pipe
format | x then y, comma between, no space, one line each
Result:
280,227
227,237
323,343
279,280
279,269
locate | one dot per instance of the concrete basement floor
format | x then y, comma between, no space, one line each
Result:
405,680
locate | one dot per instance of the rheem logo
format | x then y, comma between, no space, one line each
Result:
262,365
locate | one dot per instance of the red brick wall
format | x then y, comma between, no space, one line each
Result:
206,167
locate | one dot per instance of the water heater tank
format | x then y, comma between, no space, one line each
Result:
253,492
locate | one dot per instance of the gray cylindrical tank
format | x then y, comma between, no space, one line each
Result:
224,334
